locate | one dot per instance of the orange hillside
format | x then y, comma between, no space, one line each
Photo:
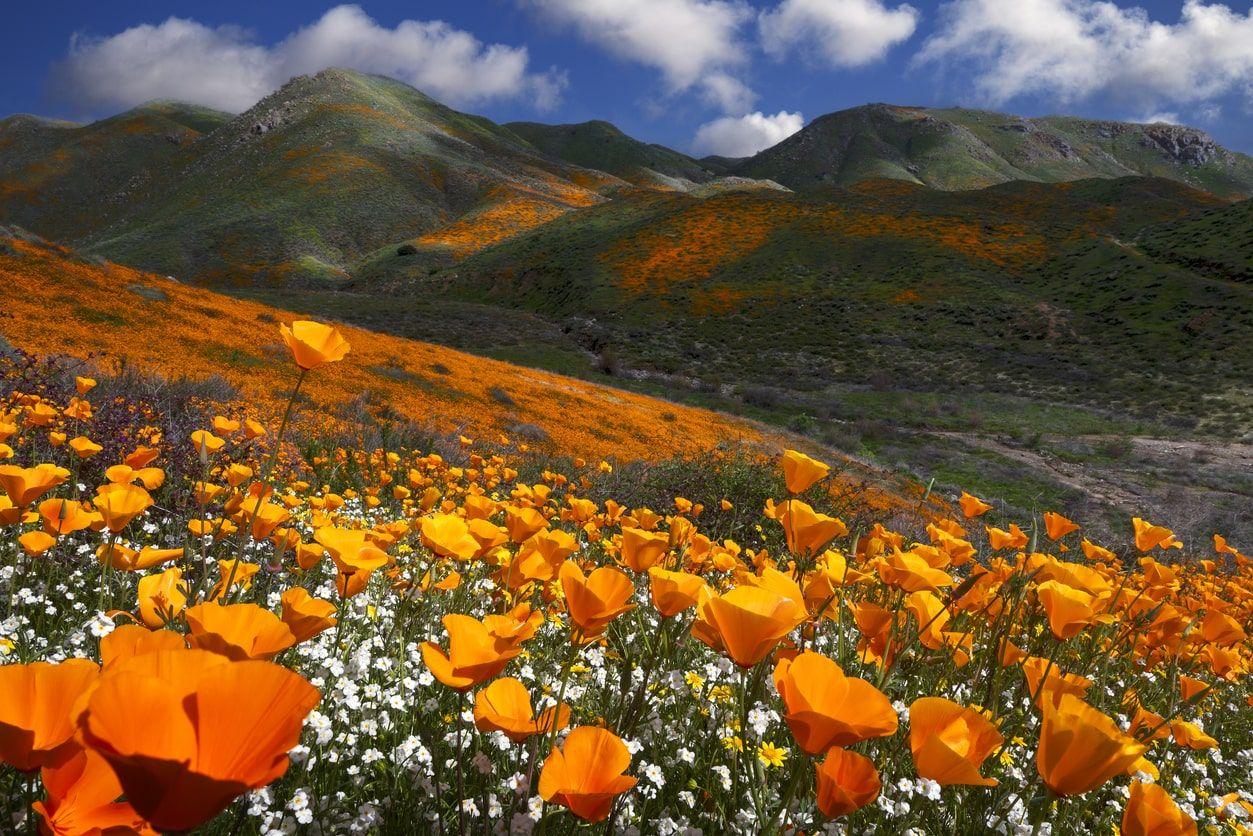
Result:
54,302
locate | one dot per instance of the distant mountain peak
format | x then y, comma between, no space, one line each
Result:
961,148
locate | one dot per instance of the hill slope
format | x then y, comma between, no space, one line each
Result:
602,146
1023,288
965,149
109,313
312,178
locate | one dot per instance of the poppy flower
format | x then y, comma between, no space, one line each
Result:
505,706
1069,610
161,597
126,559
1057,526
972,506
825,708
82,794
128,640
999,539
950,742
84,447
350,549
35,543
24,485
807,530
1149,536
449,536
641,550
585,774
674,592
237,631
911,572
846,782
225,728
521,522
1080,748
475,654
747,622
35,709
1047,682
119,504
595,599
1094,552
64,516
305,615
800,472
1151,812
312,344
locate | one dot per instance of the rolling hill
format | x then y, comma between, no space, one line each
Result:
600,145
312,178
335,174
967,149
109,314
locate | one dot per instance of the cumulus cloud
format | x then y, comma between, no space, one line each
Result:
695,44
842,33
1069,50
224,67
743,136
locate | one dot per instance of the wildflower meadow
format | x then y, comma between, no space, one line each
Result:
220,616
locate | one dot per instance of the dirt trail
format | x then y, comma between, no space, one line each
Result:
1113,484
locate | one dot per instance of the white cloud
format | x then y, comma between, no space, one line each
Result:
1069,50
693,43
743,136
843,33
224,67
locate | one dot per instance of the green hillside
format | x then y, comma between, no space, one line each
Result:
1024,289
65,180
1217,242
964,149
602,146
312,178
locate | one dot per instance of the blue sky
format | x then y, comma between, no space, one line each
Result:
704,76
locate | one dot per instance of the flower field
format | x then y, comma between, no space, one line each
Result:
215,619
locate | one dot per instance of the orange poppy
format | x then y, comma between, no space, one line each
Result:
747,622
475,653
35,709
130,640
641,550
800,472
119,504
305,615
1151,812
950,742
972,506
1081,748
999,539
24,485
505,706
585,774
1069,610
350,549
161,597
312,344
225,728
807,530
82,797
825,708
846,782
1057,526
1149,536
64,516
596,599
674,592
237,631
449,536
